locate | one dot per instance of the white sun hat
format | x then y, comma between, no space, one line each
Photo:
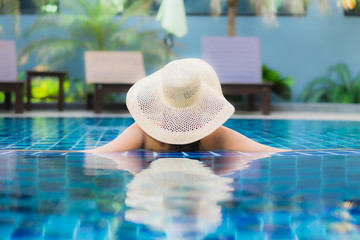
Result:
179,104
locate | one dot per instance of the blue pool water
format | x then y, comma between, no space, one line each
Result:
305,194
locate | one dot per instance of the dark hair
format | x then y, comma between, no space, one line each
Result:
191,147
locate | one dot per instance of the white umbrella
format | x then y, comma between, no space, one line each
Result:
172,16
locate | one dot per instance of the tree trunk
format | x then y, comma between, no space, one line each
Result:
232,6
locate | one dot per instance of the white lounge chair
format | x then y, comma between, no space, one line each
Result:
237,61
112,71
9,76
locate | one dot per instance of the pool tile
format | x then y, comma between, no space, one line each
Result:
42,192
61,227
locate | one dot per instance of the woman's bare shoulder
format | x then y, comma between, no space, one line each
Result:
136,127
213,140
130,139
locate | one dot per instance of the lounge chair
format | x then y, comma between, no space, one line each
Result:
9,76
112,71
237,61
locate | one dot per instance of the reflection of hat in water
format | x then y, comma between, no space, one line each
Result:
177,195
171,173
179,104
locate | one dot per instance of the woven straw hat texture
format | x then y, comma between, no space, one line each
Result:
179,104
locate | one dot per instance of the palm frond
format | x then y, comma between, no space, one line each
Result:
317,96
347,98
125,37
356,83
48,50
343,73
310,89
334,93
339,87
54,24
356,88
137,8
94,25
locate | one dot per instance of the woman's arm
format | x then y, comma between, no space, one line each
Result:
130,139
228,139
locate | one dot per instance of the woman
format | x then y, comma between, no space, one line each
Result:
180,108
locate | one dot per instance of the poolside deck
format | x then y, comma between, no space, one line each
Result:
301,111
301,115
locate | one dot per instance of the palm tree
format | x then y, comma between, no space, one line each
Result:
93,25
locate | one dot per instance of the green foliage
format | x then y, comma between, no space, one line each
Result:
47,89
78,90
91,25
94,25
336,87
21,76
282,85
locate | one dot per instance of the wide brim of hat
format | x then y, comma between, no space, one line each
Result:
164,175
151,112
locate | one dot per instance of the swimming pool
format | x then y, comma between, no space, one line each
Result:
308,194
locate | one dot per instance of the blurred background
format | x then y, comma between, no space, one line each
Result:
309,48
